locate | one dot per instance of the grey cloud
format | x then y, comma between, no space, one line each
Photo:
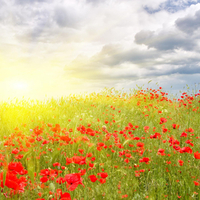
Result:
113,58
107,55
29,1
168,70
2,3
95,1
189,24
155,72
171,6
140,57
164,41
65,17
112,55
183,61
2,13
40,25
187,69
109,58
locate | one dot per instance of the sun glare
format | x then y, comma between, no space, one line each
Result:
16,88
19,85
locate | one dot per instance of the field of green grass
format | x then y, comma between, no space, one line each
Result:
108,145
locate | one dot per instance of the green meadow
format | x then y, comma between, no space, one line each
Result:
108,145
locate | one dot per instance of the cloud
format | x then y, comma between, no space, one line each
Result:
66,17
95,43
189,24
165,40
111,56
22,2
95,1
170,6
113,62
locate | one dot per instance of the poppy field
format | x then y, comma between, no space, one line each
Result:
108,145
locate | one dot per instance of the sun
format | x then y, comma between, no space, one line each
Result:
17,88
19,85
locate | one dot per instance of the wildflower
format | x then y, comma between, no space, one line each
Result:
175,126
162,120
13,182
161,152
44,179
60,180
79,160
102,180
124,196
93,178
185,149
81,151
15,151
183,134
146,160
126,160
56,164
180,162
17,168
197,155
103,175
140,144
68,161
73,180
65,196
196,183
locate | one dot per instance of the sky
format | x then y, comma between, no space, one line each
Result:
53,48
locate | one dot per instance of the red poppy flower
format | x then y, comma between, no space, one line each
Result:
73,180
17,168
91,164
103,175
180,162
68,161
93,159
15,151
44,172
65,196
93,178
56,164
197,155
136,138
196,183
126,160
140,144
60,180
44,179
185,149
183,134
81,151
162,120
175,126
161,152
146,160
79,160
13,182
102,180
